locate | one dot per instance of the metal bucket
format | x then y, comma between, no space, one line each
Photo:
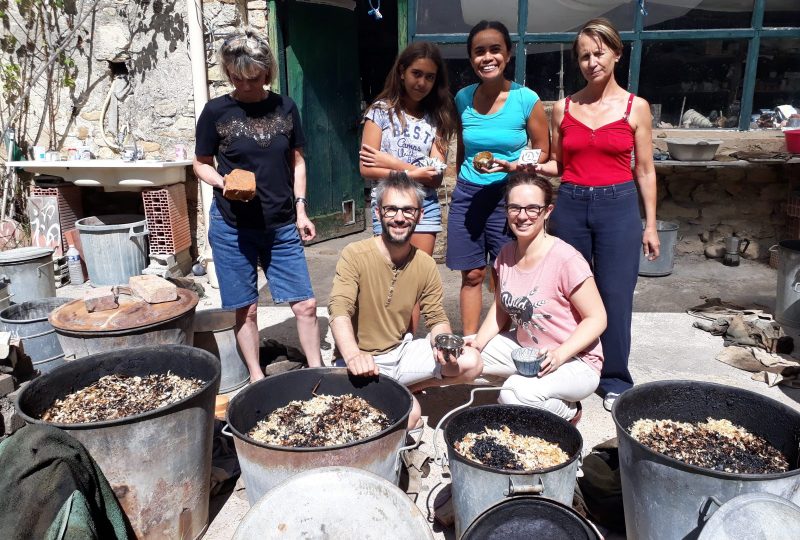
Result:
265,466
477,487
214,332
115,247
787,295
528,516
335,502
30,271
158,463
668,237
29,320
667,499
81,333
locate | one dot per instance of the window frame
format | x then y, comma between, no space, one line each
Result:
636,38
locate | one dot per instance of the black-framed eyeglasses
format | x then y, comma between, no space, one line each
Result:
531,210
409,212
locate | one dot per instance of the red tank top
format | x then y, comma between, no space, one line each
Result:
596,157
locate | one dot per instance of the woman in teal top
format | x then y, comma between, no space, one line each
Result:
501,117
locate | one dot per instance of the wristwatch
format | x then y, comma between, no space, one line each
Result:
301,200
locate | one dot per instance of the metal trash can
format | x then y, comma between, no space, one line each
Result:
787,295
30,272
668,236
115,247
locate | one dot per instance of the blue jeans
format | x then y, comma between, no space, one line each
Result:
237,253
604,224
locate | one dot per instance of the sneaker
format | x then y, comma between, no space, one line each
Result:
608,401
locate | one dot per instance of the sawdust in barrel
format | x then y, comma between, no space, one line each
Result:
119,396
321,421
715,444
503,449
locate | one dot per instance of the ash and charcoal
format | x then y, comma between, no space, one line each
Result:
119,396
321,421
715,444
503,449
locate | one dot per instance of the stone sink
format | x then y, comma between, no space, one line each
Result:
111,174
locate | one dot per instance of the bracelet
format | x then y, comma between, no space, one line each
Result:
300,200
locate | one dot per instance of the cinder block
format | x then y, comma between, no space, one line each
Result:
153,289
100,299
6,384
12,421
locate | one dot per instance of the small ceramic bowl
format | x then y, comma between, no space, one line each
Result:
528,361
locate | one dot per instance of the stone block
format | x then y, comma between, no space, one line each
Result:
11,420
166,107
149,146
670,211
100,299
731,174
710,193
6,384
774,192
680,189
761,175
91,116
153,289
257,18
715,251
257,4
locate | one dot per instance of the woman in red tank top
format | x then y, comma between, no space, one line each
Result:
594,134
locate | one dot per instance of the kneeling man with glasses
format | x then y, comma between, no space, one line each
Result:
377,283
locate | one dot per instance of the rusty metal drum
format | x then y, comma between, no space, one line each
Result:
135,323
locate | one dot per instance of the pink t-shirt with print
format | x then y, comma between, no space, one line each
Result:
537,300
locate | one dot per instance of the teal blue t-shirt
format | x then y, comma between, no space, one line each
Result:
502,133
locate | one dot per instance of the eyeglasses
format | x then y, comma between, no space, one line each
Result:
532,210
409,212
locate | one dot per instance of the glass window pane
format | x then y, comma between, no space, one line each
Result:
544,63
681,15
550,16
459,16
701,78
459,69
778,74
781,13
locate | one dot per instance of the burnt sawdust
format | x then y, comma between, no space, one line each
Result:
321,421
503,449
120,396
715,444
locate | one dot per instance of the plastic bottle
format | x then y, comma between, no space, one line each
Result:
74,266
130,152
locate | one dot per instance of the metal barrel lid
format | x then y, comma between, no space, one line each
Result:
753,515
24,254
131,314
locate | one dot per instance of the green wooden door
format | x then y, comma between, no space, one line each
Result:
322,77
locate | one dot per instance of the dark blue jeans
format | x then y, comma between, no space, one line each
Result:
604,224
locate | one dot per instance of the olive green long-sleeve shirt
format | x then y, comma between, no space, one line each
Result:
379,297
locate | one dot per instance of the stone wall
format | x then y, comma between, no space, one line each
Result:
710,204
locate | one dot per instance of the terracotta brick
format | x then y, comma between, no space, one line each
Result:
153,289
100,299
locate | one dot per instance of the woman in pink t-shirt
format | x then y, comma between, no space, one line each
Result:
546,289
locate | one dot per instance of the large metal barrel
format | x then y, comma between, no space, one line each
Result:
135,323
115,247
335,502
668,499
265,466
477,487
214,332
29,320
158,462
787,295
30,271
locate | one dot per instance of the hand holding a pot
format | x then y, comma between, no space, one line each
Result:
362,365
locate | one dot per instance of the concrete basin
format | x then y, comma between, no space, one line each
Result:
111,174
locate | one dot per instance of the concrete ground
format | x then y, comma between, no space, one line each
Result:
665,346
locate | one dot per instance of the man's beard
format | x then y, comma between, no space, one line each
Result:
387,235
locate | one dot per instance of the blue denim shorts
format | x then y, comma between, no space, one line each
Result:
476,225
237,253
431,221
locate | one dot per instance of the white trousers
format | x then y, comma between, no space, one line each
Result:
557,392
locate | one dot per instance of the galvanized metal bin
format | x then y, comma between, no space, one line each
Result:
787,294
30,272
667,499
214,332
115,247
158,463
664,264
29,321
